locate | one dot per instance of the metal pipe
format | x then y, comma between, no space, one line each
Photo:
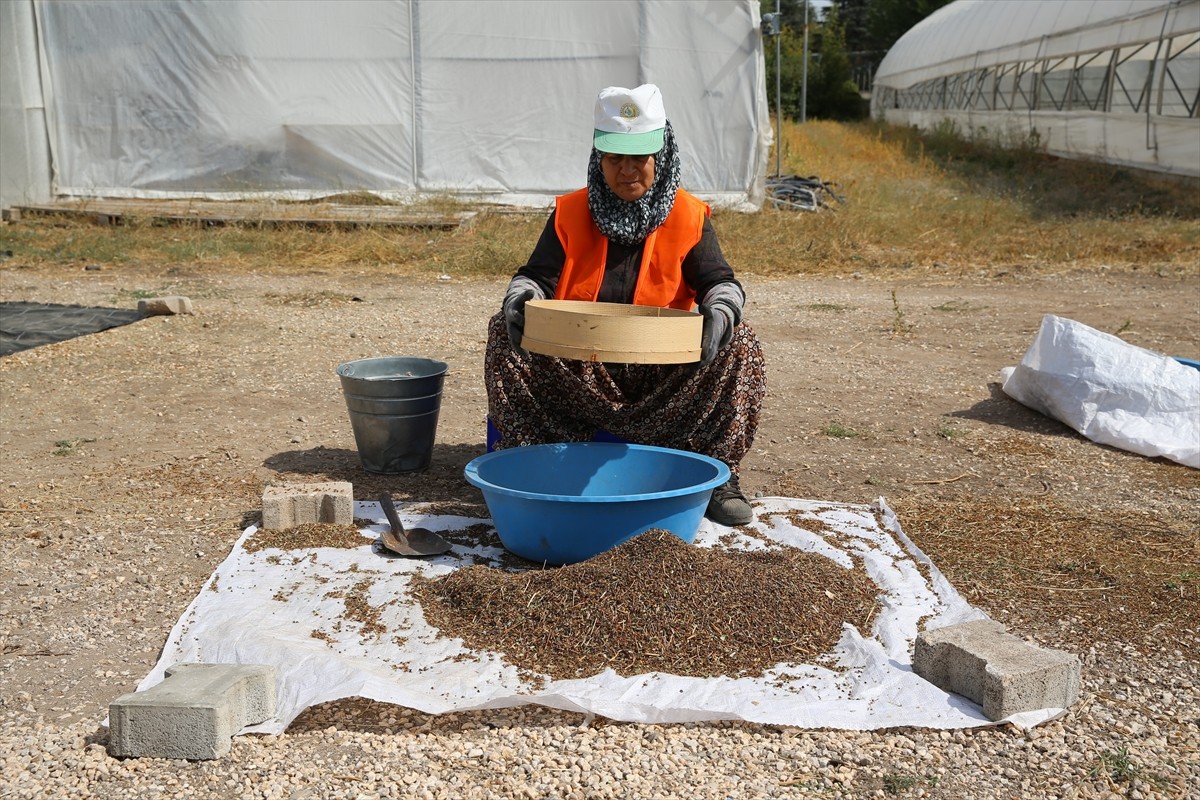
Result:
778,94
804,71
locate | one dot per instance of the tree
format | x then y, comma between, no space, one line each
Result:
888,20
832,93
855,18
791,76
846,45
792,12
862,50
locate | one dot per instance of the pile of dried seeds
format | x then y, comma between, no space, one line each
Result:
654,603
308,535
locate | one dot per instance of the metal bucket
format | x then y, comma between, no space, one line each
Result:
393,404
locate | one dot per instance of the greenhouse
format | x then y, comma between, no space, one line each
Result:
1115,80
237,99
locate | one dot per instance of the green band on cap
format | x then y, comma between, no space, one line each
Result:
629,144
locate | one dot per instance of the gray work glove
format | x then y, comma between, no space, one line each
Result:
722,311
520,291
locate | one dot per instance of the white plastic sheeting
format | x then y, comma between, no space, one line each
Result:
24,149
1110,391
284,609
1114,80
967,33
237,98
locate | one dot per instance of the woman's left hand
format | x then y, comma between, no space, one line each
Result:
718,330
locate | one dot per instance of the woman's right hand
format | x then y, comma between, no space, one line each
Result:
514,314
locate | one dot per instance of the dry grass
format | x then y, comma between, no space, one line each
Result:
959,209
914,205
1112,576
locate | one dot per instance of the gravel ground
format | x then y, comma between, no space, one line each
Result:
134,457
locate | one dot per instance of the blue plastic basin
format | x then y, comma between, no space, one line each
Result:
562,503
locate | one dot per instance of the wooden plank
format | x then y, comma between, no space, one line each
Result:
115,212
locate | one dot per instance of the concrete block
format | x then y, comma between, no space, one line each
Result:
289,505
1005,674
193,713
165,306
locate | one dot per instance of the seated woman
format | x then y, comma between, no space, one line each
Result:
632,236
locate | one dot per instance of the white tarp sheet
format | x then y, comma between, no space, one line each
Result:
283,609
1110,391
240,98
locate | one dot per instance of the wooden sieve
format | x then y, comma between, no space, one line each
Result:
612,332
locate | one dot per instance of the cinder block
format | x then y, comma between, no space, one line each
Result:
193,713
289,505
1005,674
165,306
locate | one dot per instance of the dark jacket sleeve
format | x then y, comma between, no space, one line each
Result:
546,261
705,266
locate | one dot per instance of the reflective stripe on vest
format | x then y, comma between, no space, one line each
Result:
660,277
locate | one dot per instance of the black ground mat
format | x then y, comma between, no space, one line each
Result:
25,325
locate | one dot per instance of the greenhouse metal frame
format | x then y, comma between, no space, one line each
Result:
1120,87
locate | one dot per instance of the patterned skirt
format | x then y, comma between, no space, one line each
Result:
712,409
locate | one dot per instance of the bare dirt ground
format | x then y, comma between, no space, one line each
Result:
133,458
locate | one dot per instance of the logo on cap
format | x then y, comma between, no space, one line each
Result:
629,111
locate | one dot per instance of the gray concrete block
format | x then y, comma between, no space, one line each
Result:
289,505
193,713
1005,674
165,306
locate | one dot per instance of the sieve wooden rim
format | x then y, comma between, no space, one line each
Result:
612,332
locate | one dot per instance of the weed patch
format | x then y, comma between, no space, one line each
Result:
67,446
900,325
837,430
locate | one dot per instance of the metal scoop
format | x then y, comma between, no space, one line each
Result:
417,542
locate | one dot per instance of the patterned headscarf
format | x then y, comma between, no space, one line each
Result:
631,222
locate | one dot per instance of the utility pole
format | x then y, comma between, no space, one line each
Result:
804,69
778,93
772,26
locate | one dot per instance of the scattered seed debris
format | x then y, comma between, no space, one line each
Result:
455,509
479,534
654,603
810,523
360,611
308,535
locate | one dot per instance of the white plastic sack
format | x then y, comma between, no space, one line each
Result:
1110,391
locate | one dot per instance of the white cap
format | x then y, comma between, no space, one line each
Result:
630,121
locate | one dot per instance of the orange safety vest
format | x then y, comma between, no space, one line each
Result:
660,277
